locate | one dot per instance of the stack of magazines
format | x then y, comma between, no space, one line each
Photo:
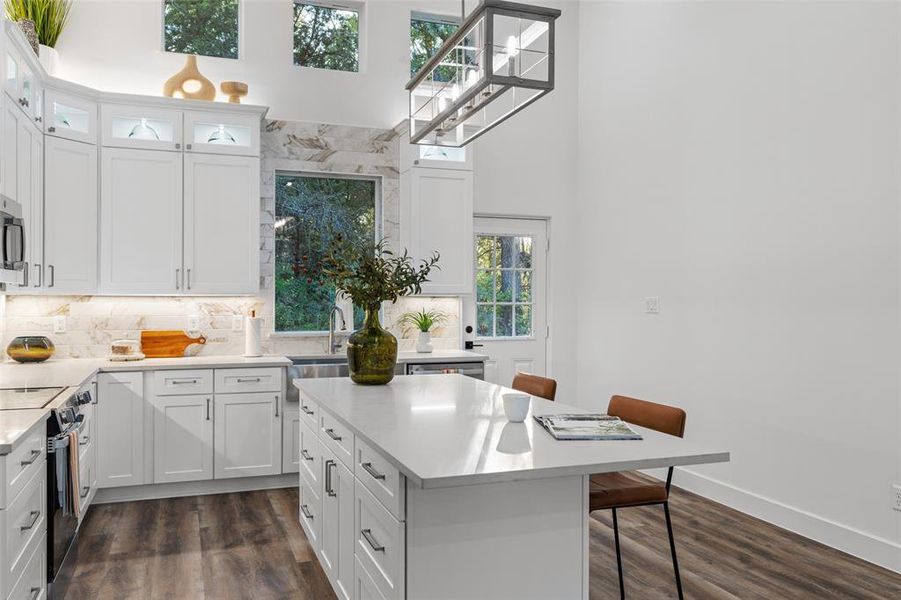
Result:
587,427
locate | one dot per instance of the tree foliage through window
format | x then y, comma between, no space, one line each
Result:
207,27
426,37
326,37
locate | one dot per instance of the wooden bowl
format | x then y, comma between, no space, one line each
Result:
235,90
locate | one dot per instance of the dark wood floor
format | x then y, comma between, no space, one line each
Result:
250,545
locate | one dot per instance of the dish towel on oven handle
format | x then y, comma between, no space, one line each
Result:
75,485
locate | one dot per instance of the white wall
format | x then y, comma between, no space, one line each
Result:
740,161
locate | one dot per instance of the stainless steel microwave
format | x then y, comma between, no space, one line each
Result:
12,241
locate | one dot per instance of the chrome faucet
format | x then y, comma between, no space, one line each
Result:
335,344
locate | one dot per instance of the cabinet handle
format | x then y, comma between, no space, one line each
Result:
52,276
331,433
35,515
85,491
305,455
248,380
306,512
189,279
183,381
276,406
367,466
177,146
25,276
177,273
328,478
35,592
207,409
306,410
33,457
51,129
367,535
84,441
188,146
39,277
39,119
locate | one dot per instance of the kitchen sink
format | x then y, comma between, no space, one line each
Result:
317,367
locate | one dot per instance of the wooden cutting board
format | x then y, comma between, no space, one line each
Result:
159,343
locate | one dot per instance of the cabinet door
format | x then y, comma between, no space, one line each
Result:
182,438
35,219
336,548
141,222
120,429
222,224
9,179
132,126
70,117
222,133
70,216
248,435
13,67
437,210
291,443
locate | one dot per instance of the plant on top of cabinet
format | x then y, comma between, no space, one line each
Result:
49,17
371,273
423,321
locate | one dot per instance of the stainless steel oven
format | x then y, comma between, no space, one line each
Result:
12,241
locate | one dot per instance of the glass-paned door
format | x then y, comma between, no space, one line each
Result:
508,311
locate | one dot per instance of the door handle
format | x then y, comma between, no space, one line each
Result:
177,273
189,279
367,535
25,272
328,478
207,409
367,466
276,406
39,277
52,276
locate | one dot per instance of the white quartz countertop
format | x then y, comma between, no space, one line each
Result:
450,430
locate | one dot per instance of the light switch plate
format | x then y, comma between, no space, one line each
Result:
193,323
896,497
237,323
652,305
59,324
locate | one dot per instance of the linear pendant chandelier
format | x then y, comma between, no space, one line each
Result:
499,61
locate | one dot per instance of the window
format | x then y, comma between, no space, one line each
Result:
326,36
427,33
207,27
503,286
308,209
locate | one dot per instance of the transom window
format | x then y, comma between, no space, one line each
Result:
207,27
308,210
327,36
503,286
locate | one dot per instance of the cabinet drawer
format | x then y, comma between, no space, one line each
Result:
381,478
310,456
25,518
23,462
309,412
364,584
379,543
337,438
233,381
310,513
32,584
180,382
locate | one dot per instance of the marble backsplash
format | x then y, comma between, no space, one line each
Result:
92,322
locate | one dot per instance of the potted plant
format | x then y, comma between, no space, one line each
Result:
422,321
49,18
370,273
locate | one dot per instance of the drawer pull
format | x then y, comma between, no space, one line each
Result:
331,433
368,468
85,491
367,535
306,512
84,441
33,457
307,410
306,455
328,478
184,381
35,515
248,380
35,592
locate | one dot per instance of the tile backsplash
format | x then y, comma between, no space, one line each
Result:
92,322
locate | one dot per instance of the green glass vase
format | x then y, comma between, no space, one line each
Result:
372,351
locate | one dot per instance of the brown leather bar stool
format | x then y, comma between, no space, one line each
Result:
629,488
535,385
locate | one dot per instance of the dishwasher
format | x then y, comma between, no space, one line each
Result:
470,369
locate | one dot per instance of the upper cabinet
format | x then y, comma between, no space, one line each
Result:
71,117
145,127
21,83
434,157
222,133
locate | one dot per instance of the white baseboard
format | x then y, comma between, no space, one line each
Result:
195,488
870,548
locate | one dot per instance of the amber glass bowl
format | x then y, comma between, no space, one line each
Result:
30,349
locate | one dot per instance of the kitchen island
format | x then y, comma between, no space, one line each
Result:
422,489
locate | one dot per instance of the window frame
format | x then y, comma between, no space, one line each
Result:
494,303
431,17
357,6
240,44
379,228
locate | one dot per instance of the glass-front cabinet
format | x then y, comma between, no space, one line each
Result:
21,84
150,128
437,157
222,133
70,117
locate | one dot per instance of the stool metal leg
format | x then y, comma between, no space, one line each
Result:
619,558
672,547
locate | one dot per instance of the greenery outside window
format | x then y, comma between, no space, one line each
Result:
427,33
206,27
327,36
504,286
308,209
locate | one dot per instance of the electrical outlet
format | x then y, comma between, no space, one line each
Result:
59,324
237,323
652,305
896,497
193,323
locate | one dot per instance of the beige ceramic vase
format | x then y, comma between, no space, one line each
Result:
189,83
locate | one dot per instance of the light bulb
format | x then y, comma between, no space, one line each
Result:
455,91
511,46
472,77
442,104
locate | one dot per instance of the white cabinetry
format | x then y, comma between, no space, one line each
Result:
120,429
70,216
248,434
336,550
182,438
145,127
141,218
71,117
221,229
436,214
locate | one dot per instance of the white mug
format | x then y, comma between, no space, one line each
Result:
516,406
